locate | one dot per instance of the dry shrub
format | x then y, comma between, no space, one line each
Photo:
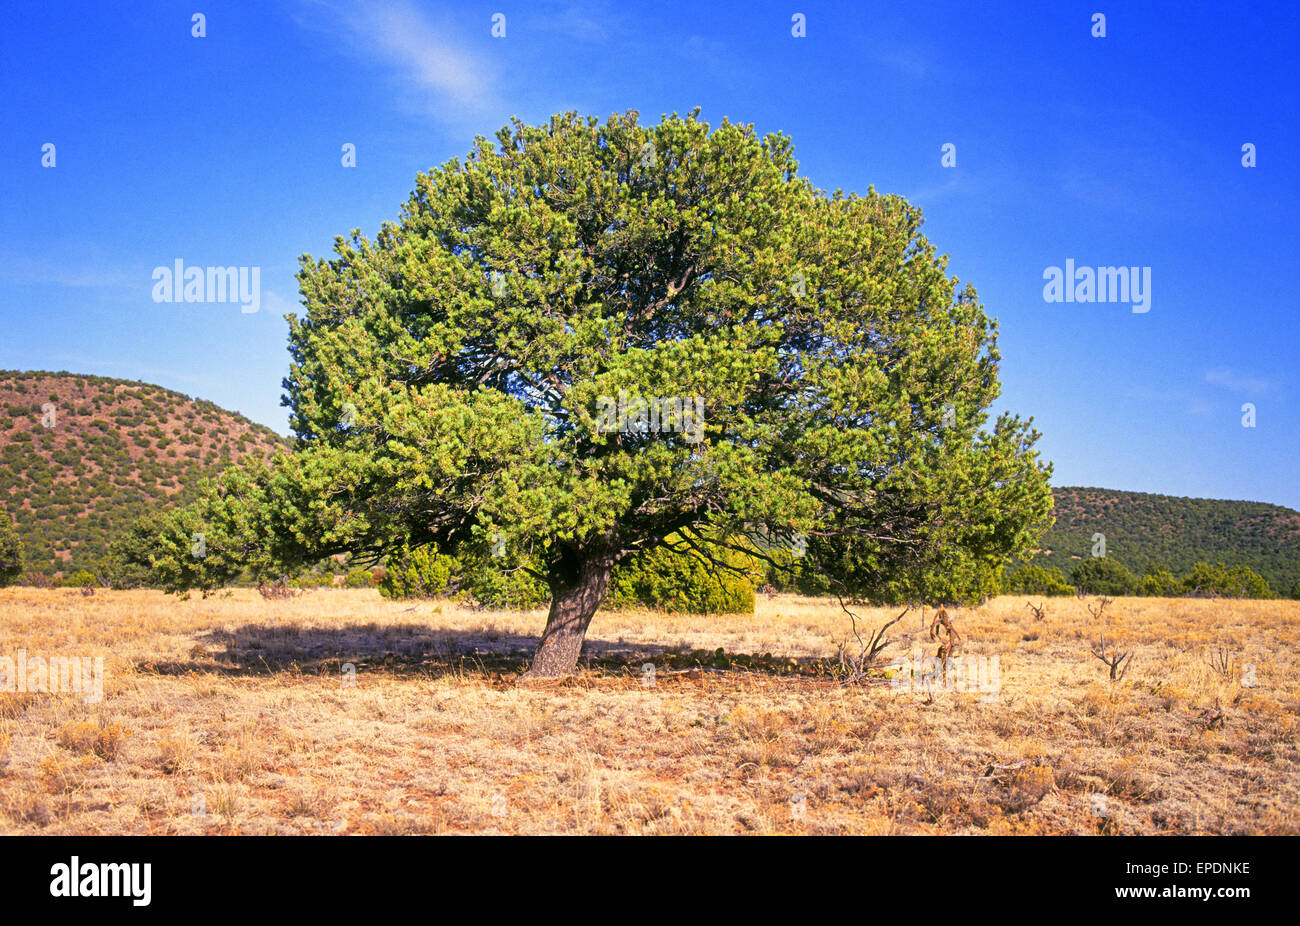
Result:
301,804
27,807
825,729
225,803
175,754
1098,702
60,775
13,706
1033,783
240,758
1171,696
942,799
102,739
1026,785
759,725
1128,781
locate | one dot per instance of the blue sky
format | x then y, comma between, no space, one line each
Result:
1123,150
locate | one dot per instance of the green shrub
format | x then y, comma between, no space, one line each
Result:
861,570
493,582
420,573
1218,579
1035,580
659,579
79,579
682,581
313,578
501,582
359,578
1101,575
1160,584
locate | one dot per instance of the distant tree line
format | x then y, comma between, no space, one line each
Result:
1103,575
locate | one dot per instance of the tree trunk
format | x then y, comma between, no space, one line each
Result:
572,606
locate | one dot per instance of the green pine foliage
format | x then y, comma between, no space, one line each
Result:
1105,576
658,579
11,551
504,581
475,575
674,577
1160,584
420,573
82,578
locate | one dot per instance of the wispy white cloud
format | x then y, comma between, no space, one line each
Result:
424,56
956,184
1241,383
1191,403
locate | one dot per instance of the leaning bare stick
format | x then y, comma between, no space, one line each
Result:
854,668
1118,662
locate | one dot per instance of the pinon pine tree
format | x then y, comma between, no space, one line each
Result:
452,379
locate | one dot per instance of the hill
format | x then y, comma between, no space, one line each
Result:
1148,532
81,457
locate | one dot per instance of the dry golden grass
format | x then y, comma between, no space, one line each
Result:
235,715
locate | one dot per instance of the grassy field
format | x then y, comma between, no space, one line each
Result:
236,714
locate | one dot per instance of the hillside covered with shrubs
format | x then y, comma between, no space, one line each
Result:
82,457
1149,533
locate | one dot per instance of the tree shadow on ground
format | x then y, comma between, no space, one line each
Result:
421,650
262,649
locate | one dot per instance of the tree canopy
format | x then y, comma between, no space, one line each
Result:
787,369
